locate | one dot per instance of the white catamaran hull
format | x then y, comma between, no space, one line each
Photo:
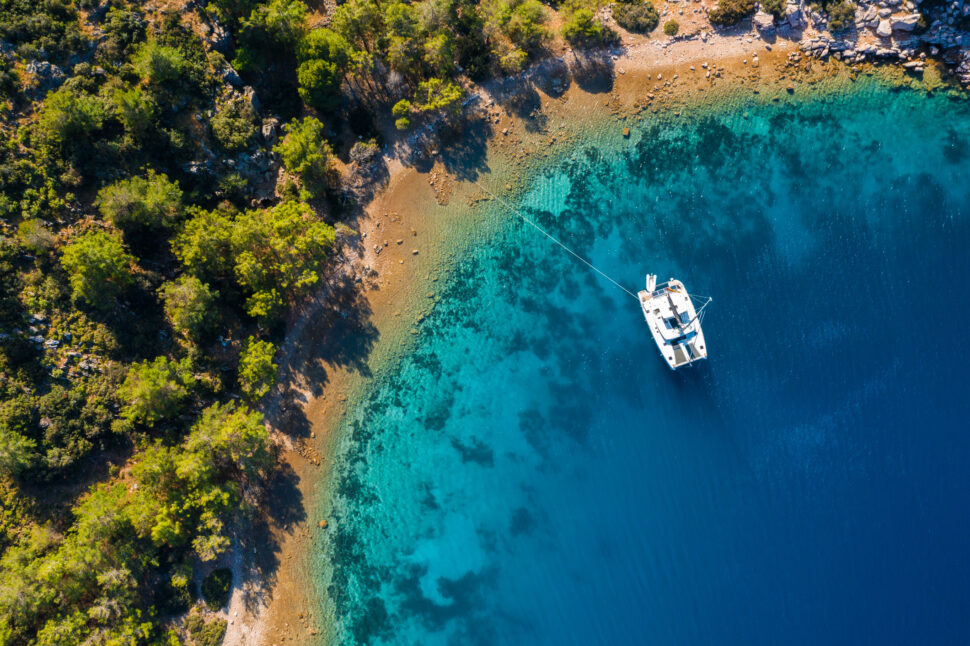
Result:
673,322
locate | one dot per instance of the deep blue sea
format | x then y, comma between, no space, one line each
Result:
531,472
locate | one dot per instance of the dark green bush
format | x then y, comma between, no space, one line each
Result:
730,12
638,16
775,7
216,588
671,27
841,15
582,29
234,124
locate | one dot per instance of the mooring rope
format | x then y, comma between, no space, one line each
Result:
551,237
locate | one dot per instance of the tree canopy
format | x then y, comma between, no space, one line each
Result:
98,267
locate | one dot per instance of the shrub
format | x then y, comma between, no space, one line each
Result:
730,12
514,61
156,63
17,452
257,372
151,202
319,81
436,94
216,587
402,114
155,390
581,29
234,124
187,302
525,25
69,117
271,30
638,16
205,633
306,153
123,28
841,15
671,27
775,7
135,109
97,267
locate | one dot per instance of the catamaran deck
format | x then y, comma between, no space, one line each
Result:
674,323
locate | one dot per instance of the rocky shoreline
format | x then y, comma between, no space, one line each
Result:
905,32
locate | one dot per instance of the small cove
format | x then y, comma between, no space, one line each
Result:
530,472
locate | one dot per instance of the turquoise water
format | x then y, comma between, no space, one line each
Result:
530,472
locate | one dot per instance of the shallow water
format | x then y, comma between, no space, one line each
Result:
531,472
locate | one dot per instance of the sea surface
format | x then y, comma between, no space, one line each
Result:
531,472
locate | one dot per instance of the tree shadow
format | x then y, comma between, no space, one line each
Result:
341,334
593,71
259,546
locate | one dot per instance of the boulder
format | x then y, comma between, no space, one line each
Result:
793,14
884,30
250,95
764,21
270,130
906,22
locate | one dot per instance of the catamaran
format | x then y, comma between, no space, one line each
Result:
674,321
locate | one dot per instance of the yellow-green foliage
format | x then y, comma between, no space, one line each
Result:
150,202
257,372
276,255
98,267
188,304
155,390
306,153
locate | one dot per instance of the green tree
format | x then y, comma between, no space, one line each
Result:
360,22
582,29
272,30
319,83
730,12
188,302
525,24
141,203
155,390
306,153
326,44
402,114
257,372
436,94
17,452
638,16
136,111
232,438
97,267
278,255
841,15
67,117
234,124
204,245
123,29
156,63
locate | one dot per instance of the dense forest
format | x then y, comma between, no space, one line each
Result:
170,189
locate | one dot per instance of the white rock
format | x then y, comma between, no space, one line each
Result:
884,30
764,21
905,22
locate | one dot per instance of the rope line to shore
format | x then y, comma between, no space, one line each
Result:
551,237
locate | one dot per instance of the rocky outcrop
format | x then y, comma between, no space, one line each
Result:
764,22
905,22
